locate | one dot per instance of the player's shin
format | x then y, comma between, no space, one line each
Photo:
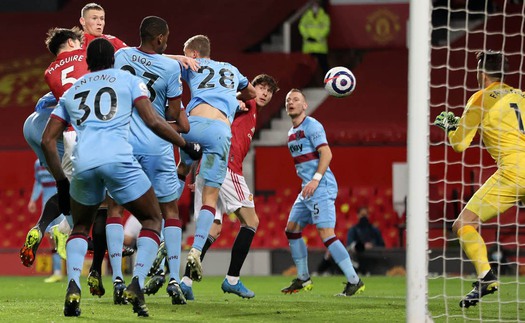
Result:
115,241
240,250
341,258
475,249
299,254
147,246
173,240
76,249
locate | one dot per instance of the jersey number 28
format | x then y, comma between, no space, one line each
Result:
226,79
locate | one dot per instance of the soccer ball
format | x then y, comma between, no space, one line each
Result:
339,82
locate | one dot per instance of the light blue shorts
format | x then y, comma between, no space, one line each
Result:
125,182
34,127
162,172
319,209
214,136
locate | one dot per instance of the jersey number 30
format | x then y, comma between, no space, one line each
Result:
98,113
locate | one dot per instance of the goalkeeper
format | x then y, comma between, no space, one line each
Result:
496,110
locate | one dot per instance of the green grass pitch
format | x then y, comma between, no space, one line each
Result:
29,299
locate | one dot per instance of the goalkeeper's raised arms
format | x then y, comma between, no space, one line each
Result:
447,121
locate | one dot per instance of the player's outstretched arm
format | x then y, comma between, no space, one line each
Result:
158,125
181,124
163,129
247,93
186,62
177,117
460,131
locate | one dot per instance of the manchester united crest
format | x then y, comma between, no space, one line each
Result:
383,25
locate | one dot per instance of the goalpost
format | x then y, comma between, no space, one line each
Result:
442,77
417,158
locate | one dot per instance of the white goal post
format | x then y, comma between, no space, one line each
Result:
417,207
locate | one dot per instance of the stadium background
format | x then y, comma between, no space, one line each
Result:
367,131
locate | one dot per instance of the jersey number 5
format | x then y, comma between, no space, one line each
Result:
64,76
518,115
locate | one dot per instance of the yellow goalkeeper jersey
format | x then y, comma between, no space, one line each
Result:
497,111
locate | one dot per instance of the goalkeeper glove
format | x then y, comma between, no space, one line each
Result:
193,149
447,121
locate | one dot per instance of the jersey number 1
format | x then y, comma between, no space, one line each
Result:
518,115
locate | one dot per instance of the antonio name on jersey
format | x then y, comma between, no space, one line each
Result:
95,78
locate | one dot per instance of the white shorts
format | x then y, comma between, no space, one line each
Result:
70,139
233,195
132,227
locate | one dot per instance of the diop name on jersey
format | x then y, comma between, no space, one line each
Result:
62,62
95,78
142,60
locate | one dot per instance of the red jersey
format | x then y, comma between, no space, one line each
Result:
65,70
243,128
117,43
69,66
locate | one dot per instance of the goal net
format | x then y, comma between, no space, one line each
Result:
459,30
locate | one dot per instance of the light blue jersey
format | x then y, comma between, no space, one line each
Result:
36,123
99,106
303,142
162,76
217,84
319,209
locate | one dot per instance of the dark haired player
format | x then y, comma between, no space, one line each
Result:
496,111
102,101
